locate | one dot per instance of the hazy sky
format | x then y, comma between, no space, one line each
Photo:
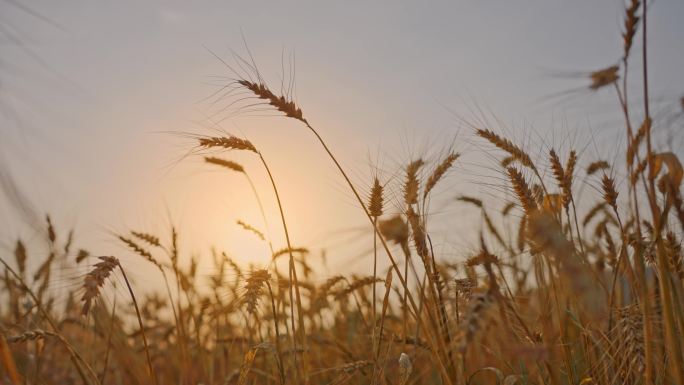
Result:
89,91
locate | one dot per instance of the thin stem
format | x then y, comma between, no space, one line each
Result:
293,280
105,366
375,277
261,209
142,327
279,352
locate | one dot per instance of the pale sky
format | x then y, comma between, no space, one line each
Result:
92,91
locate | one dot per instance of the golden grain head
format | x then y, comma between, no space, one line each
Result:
95,279
604,77
610,194
412,184
439,172
375,201
283,105
631,23
229,164
522,190
227,142
516,153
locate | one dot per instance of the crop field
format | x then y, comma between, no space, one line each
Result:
573,273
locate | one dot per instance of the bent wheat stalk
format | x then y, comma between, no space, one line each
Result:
290,110
142,327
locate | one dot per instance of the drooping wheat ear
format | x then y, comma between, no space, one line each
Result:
597,166
474,318
631,23
252,229
516,152
287,107
375,201
229,164
603,77
255,284
610,194
439,172
151,239
229,142
468,199
411,185
20,256
522,190
140,250
95,279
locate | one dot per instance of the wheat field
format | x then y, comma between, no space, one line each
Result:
564,288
